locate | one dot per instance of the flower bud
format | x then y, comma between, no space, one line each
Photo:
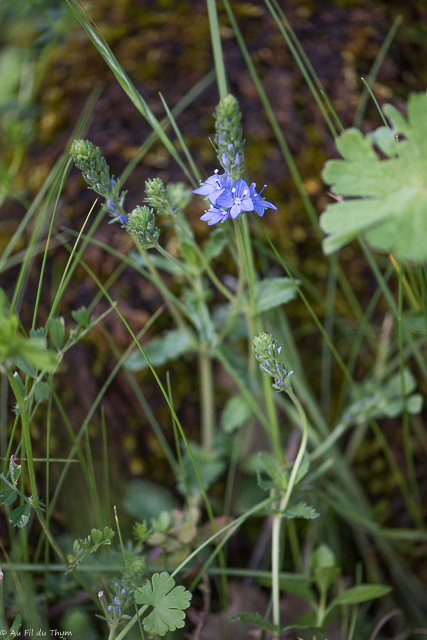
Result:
141,224
267,353
229,138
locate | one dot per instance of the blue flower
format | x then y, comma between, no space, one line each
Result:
237,199
124,219
215,215
259,203
214,186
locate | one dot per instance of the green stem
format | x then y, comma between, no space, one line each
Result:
275,543
26,436
246,266
207,401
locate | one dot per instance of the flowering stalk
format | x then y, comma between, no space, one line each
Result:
268,356
96,173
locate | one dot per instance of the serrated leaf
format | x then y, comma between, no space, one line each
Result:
389,198
256,620
270,466
209,464
217,241
168,604
301,510
236,412
266,485
361,593
41,390
170,346
8,496
81,316
273,292
56,327
21,515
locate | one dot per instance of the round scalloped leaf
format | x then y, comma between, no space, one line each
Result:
388,196
167,601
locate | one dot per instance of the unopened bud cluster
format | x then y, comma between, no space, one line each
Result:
229,136
267,353
142,225
166,200
96,172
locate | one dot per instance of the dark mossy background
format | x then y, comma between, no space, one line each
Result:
165,46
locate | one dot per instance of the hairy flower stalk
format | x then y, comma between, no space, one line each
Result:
96,172
267,353
228,194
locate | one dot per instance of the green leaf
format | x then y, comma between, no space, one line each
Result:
21,515
25,366
301,510
236,412
14,470
168,604
108,533
325,570
218,240
294,583
41,391
256,620
394,385
81,316
414,403
389,198
190,256
8,496
270,466
209,464
170,346
161,263
361,593
20,384
415,321
56,327
35,350
38,335
96,536
273,292
200,316
16,625
145,500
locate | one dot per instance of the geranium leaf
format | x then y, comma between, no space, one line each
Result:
168,604
388,196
